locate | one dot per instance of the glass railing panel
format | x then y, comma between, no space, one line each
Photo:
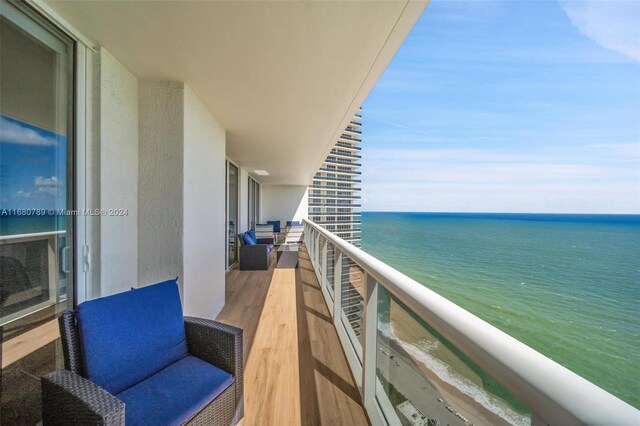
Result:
330,277
424,380
353,293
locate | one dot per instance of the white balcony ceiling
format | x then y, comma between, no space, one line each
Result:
283,78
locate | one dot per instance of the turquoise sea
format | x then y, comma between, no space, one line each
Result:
566,285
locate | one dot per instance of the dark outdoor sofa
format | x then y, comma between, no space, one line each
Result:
133,359
255,253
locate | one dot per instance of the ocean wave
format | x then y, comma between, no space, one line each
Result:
422,352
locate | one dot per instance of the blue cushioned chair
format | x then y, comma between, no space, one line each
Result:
133,359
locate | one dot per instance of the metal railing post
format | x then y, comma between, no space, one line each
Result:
370,327
337,285
323,267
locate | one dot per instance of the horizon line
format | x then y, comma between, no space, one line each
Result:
488,212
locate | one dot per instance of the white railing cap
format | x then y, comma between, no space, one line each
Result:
31,236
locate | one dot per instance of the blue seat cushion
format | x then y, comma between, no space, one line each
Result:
128,337
269,248
248,240
174,395
252,234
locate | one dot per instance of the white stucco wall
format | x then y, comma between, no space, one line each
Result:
284,202
118,153
160,219
204,210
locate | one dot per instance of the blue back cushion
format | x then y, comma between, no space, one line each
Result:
248,240
276,225
128,337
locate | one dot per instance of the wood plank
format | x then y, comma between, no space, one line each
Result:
295,370
17,348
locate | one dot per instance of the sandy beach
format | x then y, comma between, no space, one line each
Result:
412,378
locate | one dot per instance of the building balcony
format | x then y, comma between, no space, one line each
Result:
340,171
334,188
316,349
349,138
348,146
314,194
349,163
311,204
338,179
347,155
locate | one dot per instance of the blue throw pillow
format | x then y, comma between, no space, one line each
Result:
128,337
248,240
252,234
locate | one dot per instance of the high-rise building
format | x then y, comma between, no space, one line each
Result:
334,195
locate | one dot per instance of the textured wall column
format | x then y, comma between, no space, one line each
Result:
161,175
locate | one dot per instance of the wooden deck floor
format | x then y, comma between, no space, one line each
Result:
295,370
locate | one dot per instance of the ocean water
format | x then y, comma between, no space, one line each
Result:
566,285
14,225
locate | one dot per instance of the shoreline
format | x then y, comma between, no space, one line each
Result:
423,387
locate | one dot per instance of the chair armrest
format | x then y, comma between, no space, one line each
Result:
217,343
69,399
221,345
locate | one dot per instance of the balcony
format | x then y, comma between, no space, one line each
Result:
314,194
332,205
417,357
333,187
294,367
349,138
346,172
340,179
349,163
348,146
348,155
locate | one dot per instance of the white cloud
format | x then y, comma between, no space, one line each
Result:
24,194
612,24
11,132
47,191
45,182
486,180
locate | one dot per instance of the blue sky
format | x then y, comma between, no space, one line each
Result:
510,106
32,167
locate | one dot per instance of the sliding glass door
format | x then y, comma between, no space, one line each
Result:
232,213
36,193
254,203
